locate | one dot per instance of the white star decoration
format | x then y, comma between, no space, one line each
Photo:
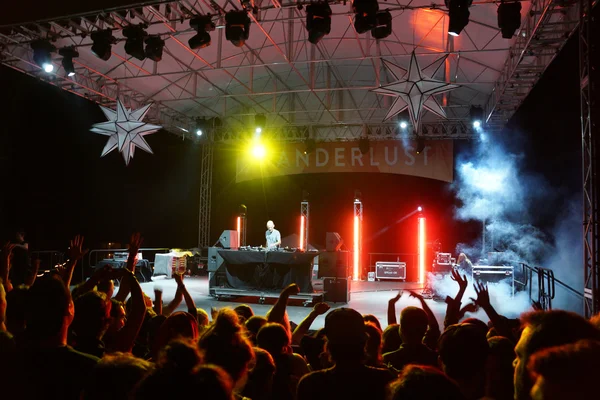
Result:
126,130
414,90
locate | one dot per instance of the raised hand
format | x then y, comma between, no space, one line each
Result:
7,249
483,295
461,280
135,243
75,252
395,299
416,295
470,308
321,308
291,290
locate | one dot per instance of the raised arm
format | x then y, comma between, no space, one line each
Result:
75,253
135,242
125,338
158,301
453,309
189,301
433,327
172,306
277,313
391,311
302,329
5,265
483,301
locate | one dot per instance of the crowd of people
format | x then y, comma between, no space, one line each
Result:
64,341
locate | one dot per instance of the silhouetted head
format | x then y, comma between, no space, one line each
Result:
413,325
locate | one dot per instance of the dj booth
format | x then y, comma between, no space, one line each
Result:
266,270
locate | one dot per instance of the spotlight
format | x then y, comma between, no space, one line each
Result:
259,151
357,195
102,44
201,127
419,209
310,144
41,54
509,18
259,122
476,114
420,145
202,24
68,53
383,25
237,27
154,48
318,21
365,15
458,11
403,124
134,46
198,132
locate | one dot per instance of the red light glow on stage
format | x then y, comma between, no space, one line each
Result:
301,232
239,230
421,249
356,248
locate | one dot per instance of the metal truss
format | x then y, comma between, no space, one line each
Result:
305,212
546,29
589,77
206,175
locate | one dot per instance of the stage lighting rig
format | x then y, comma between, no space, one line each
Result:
42,50
403,124
68,53
134,45
476,114
509,18
201,127
202,25
318,21
363,145
154,48
365,15
420,145
310,144
237,27
458,10
260,120
383,25
102,44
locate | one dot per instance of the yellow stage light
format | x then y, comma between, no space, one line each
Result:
259,151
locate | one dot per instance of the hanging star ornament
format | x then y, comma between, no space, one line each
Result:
415,90
125,130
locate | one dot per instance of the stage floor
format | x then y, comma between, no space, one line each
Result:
366,298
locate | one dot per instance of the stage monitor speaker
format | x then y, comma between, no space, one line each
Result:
337,290
334,264
333,241
215,261
229,239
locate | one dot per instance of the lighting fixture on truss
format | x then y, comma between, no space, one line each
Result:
383,25
42,50
202,25
318,21
509,18
477,115
134,46
458,10
365,15
68,53
237,27
154,48
102,42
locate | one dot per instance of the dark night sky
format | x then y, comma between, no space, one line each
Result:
55,184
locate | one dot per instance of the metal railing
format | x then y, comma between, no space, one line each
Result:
546,285
96,252
48,258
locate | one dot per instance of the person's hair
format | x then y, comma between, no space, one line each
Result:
244,312
179,373
260,379
16,302
391,338
555,328
573,368
224,344
424,383
203,320
47,305
478,323
180,324
500,370
274,338
595,320
105,286
413,324
115,377
91,311
372,319
253,325
463,350
373,346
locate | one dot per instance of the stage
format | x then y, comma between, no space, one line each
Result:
366,297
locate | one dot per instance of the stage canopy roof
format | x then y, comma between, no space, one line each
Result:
280,74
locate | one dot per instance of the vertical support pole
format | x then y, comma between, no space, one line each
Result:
589,148
205,193
304,223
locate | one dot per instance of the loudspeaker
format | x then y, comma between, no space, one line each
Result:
215,261
229,239
337,290
334,264
333,241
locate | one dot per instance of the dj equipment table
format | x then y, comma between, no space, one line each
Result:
267,270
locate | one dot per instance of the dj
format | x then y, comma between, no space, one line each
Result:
273,236
464,264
